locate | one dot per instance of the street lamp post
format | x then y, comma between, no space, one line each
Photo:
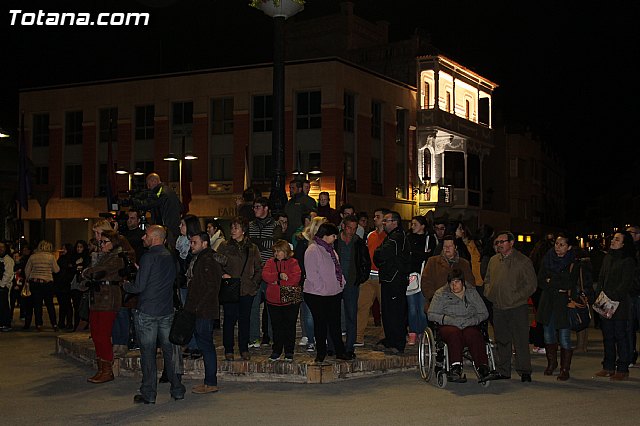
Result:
122,171
279,10
179,158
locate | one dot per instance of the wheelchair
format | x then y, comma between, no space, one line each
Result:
433,356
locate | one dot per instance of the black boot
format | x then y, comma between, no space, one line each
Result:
565,363
552,358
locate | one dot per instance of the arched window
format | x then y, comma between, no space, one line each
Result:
426,93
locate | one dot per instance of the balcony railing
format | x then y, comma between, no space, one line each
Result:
447,120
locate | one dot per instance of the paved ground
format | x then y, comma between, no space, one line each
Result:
40,387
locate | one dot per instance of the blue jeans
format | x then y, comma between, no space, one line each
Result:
416,316
616,342
237,313
551,336
350,311
254,329
204,337
307,322
152,332
183,298
120,332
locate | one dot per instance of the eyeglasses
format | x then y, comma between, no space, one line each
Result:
388,220
440,228
101,242
257,206
496,242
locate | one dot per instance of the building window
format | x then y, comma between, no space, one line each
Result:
73,180
40,130
473,179
376,120
426,95
349,112
454,171
222,116
447,101
73,128
41,175
145,125
261,167
262,113
221,167
467,109
108,125
182,122
308,111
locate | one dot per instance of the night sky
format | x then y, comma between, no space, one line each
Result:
565,69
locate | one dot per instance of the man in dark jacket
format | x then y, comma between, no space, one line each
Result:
203,280
393,258
154,315
356,266
164,205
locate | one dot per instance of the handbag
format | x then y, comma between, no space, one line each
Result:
26,291
230,287
182,327
416,277
229,290
290,294
578,313
605,306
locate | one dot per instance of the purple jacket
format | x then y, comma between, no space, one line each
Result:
321,277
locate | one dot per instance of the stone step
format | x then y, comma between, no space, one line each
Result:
368,363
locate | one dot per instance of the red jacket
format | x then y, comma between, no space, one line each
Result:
271,272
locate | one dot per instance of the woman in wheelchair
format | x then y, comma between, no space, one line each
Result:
459,310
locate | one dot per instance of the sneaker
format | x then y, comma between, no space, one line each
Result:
274,357
303,342
255,344
311,347
266,340
288,357
358,344
5,328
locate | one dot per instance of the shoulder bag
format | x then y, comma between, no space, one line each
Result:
289,294
182,327
578,312
415,277
230,287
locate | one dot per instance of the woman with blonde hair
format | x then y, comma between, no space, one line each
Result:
307,235
38,272
282,270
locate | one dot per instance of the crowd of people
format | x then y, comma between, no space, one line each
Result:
332,269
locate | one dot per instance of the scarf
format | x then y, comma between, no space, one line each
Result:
555,263
338,269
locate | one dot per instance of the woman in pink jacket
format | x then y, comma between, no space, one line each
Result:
282,270
323,287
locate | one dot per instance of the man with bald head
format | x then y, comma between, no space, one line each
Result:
154,315
164,205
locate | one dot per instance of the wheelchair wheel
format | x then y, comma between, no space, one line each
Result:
426,354
442,379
